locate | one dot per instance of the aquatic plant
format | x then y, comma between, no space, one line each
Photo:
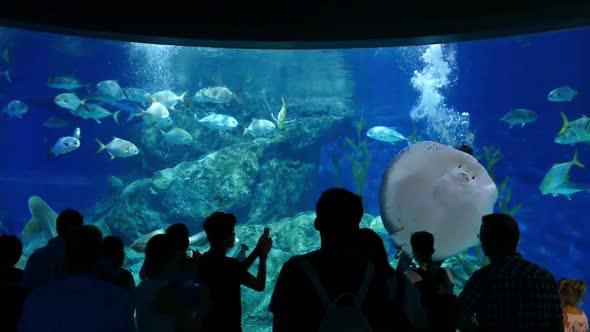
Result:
359,156
504,199
335,178
492,155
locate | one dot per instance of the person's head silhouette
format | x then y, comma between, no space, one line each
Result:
220,230
422,246
67,220
499,235
338,215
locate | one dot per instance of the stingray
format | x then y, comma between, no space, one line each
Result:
433,187
42,219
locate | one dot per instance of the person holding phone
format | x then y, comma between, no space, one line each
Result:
224,275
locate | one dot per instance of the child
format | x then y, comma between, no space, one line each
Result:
572,293
429,302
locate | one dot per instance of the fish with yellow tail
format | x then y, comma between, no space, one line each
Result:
282,116
556,181
575,131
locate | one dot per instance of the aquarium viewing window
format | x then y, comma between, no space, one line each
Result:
142,135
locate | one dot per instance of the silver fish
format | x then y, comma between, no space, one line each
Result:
177,136
219,121
136,95
217,95
68,100
118,148
167,98
110,88
259,127
385,134
95,112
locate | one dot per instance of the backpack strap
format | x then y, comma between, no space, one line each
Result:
364,289
315,280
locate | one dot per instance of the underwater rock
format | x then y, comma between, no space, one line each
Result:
115,183
135,212
315,118
279,190
188,193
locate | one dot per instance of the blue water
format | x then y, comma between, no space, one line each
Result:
492,76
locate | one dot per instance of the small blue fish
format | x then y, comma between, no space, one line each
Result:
562,94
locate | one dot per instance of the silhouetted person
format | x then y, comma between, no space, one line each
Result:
158,267
165,302
11,249
12,294
110,267
81,301
224,275
511,293
429,302
47,263
338,268
185,260
372,243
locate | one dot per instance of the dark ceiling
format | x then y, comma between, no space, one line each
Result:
299,24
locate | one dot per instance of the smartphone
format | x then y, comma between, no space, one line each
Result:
266,232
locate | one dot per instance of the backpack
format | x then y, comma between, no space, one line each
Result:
339,315
438,300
